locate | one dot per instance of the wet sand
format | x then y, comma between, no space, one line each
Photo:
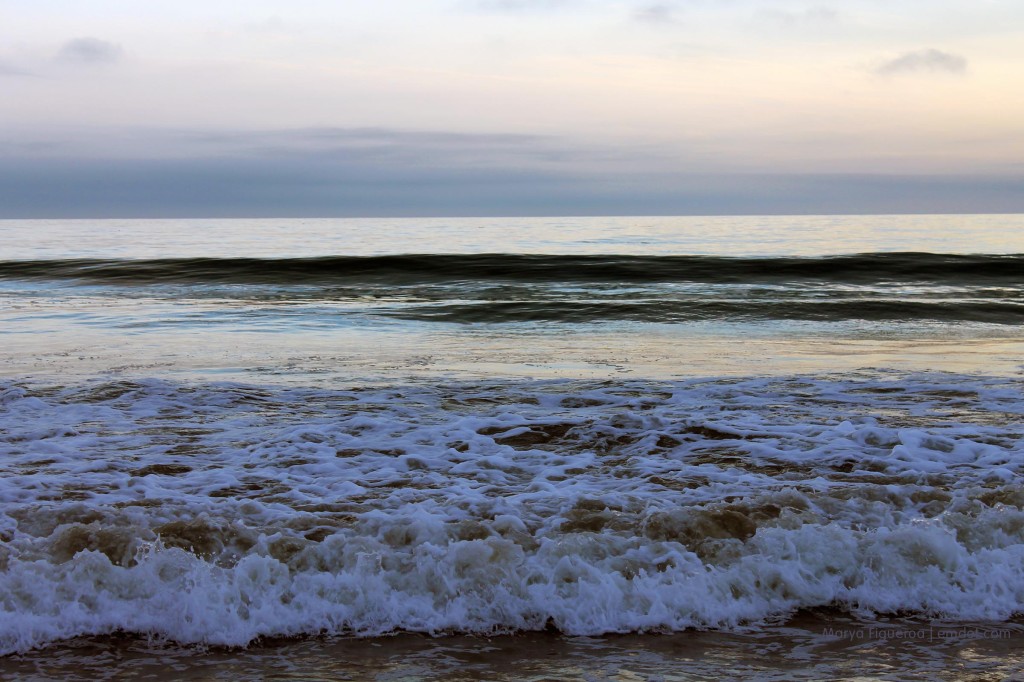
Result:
811,646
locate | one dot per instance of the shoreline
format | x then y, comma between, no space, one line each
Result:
818,644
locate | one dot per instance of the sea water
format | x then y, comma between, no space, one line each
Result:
792,433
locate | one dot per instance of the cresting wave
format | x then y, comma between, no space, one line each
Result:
413,268
662,311
221,513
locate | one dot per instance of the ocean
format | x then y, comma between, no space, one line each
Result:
519,448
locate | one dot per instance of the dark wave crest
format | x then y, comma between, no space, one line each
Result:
404,269
685,311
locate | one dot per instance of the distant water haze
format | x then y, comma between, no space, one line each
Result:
653,235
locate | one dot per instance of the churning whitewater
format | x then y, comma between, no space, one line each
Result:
221,513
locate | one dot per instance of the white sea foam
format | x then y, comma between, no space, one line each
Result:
220,513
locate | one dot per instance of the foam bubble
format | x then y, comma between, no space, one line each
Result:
222,513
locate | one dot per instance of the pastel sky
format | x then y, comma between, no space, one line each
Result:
123,108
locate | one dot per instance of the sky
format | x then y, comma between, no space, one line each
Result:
120,108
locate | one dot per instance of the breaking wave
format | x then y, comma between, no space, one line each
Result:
223,513
854,269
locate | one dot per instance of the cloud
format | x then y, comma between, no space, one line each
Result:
373,146
811,16
89,51
8,70
516,5
372,149
387,172
244,187
657,13
923,61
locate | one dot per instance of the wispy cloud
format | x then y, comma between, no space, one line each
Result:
923,61
369,147
516,5
656,13
89,51
810,16
10,70
373,145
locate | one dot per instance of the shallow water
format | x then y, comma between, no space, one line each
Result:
809,647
